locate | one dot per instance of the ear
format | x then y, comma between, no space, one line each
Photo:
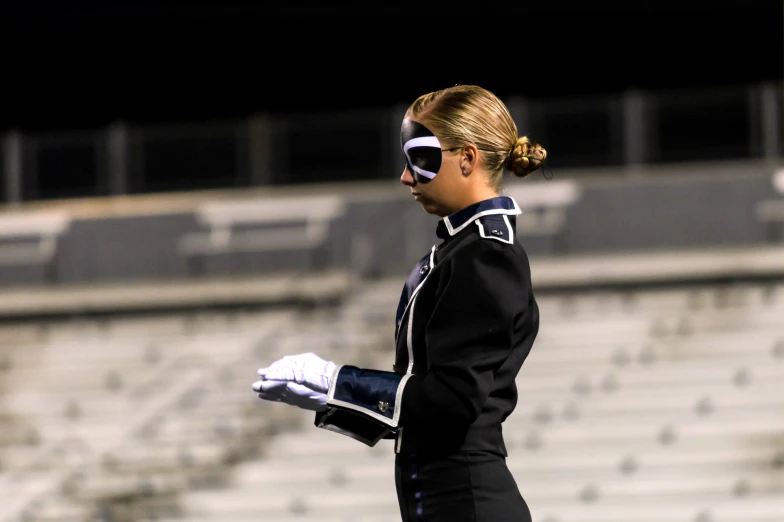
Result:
469,159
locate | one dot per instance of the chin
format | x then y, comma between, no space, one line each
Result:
432,208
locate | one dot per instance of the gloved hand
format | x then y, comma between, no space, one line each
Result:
308,369
299,380
291,393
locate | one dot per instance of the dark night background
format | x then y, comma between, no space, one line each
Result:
74,64
69,67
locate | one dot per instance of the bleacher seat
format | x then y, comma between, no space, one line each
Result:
642,405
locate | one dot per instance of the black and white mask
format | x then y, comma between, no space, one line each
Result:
421,149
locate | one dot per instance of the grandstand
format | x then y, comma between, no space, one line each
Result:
132,325
637,403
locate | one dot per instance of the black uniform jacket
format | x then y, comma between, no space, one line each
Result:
466,321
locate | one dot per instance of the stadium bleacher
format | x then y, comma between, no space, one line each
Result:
131,328
646,404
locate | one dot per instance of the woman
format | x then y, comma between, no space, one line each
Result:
466,321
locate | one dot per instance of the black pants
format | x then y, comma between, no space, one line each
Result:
472,486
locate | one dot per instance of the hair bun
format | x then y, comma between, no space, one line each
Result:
526,157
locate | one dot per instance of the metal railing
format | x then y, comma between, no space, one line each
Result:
628,129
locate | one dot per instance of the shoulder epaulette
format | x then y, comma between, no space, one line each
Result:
496,226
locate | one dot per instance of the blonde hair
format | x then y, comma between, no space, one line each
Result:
468,113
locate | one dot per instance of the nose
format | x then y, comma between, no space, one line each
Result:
407,179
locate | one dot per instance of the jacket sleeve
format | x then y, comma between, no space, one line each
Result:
363,404
468,337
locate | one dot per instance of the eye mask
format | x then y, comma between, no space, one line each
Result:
421,149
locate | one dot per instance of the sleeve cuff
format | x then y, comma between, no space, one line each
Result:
352,425
363,404
374,394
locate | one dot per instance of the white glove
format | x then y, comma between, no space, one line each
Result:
299,380
291,393
307,369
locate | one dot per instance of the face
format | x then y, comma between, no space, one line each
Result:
432,173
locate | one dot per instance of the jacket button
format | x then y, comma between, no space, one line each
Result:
424,269
496,232
383,406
